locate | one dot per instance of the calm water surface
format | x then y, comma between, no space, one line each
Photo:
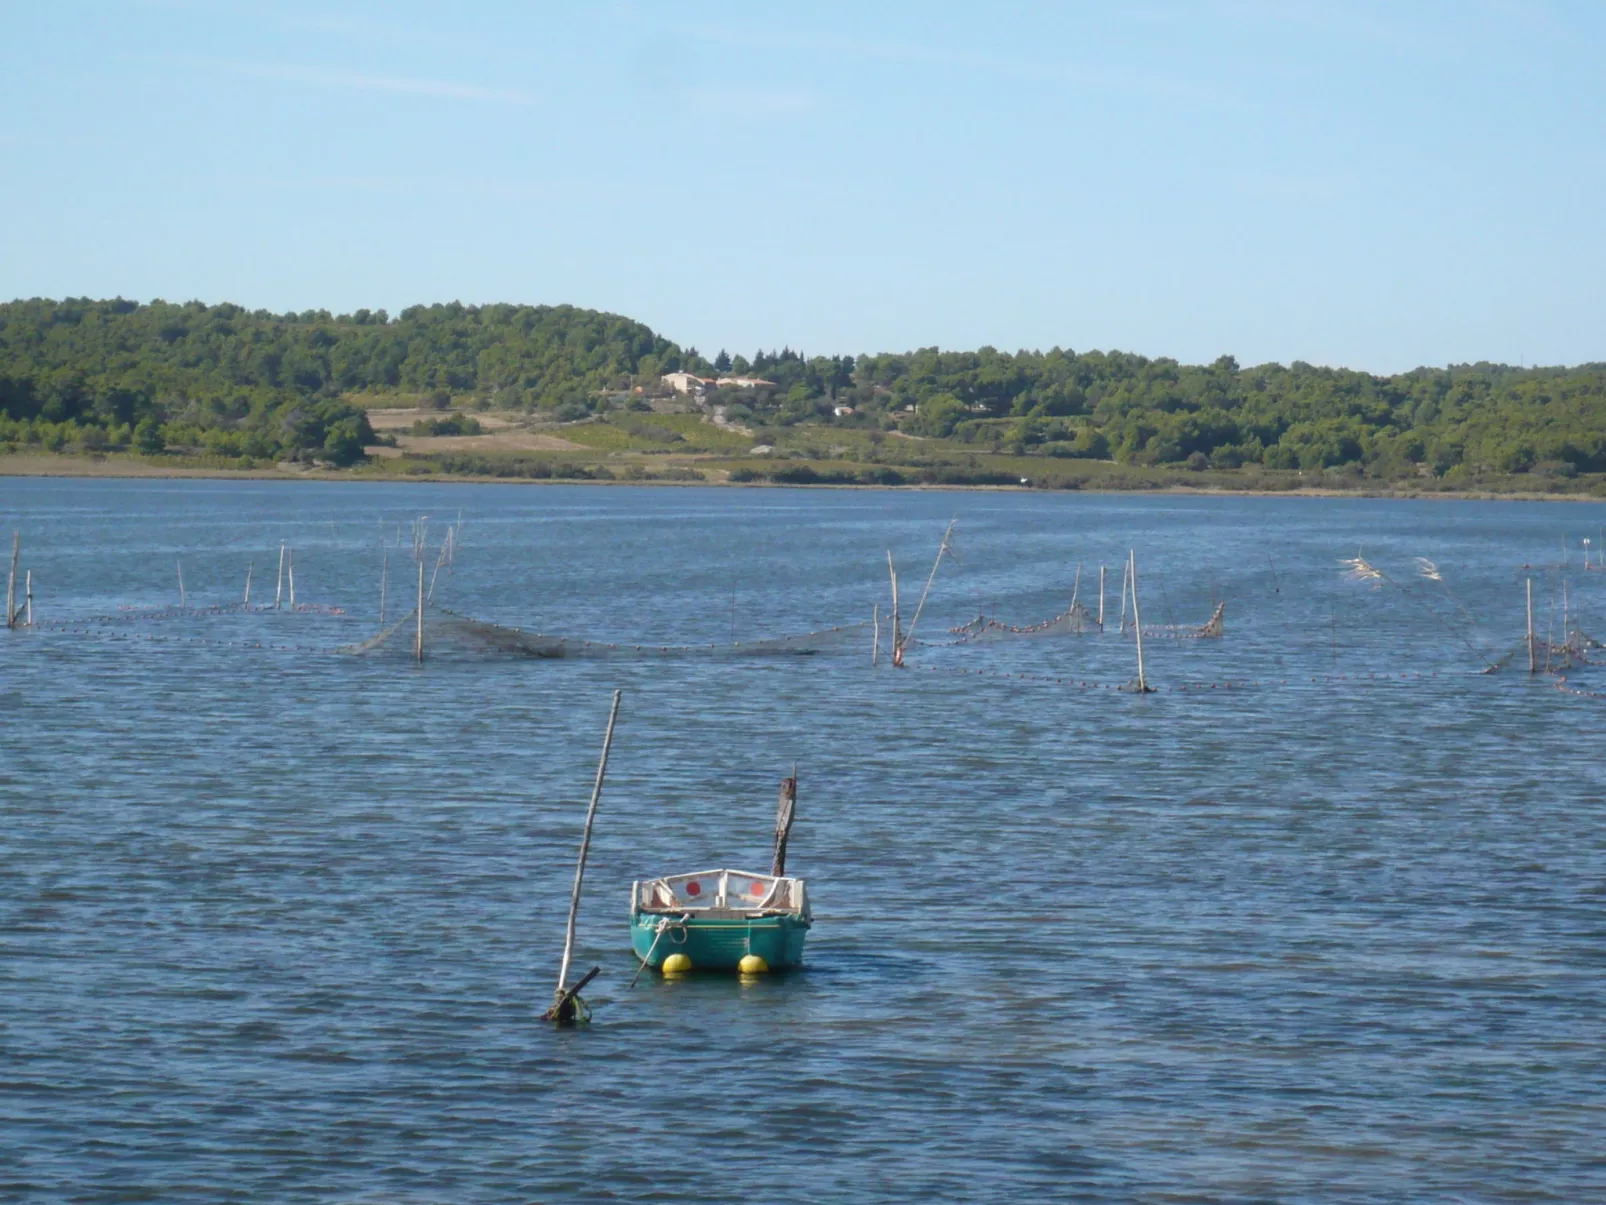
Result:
279,925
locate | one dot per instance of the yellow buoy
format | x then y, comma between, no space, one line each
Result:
752,964
677,964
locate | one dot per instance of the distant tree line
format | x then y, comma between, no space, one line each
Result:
225,380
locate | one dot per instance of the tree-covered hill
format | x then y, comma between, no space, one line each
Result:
233,382
253,383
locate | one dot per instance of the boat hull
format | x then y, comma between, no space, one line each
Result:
718,944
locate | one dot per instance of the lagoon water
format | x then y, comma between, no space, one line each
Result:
277,924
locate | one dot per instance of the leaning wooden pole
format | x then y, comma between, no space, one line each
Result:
1532,664
875,635
384,575
278,586
11,581
1137,625
1101,598
290,573
563,1002
181,600
921,606
249,565
29,620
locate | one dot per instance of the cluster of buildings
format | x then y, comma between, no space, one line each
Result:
686,382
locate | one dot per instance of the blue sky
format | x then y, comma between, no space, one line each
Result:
1373,185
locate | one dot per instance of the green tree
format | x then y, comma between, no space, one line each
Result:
148,438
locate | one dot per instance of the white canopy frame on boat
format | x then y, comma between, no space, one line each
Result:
721,890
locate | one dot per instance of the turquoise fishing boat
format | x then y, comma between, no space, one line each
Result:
725,920
714,919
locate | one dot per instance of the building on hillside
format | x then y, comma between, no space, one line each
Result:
743,383
842,411
684,382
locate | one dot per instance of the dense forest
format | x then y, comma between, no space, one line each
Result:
221,379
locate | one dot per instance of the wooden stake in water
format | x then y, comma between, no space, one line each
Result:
1532,666
1126,576
897,621
278,586
1101,598
785,814
290,570
875,636
1137,626
921,606
30,598
181,602
384,575
11,581
418,640
249,565
563,1008
1076,587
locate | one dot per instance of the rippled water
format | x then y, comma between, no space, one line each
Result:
279,925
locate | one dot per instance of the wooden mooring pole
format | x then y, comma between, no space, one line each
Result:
1137,626
1101,598
564,1008
418,639
249,565
1532,662
11,580
181,600
278,586
875,636
785,814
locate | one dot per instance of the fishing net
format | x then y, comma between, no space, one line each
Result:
1078,620
1212,629
449,634
1074,621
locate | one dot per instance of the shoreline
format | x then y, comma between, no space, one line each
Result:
80,467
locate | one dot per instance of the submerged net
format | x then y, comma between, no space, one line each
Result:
447,633
1078,620
1212,629
1074,621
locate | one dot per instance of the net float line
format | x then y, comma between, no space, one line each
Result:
1187,687
114,637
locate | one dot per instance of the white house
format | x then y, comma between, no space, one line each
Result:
683,382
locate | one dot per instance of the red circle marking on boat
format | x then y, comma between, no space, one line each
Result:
757,889
694,888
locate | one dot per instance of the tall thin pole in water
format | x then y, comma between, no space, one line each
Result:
384,575
418,640
1076,588
1101,598
30,598
1137,625
278,586
875,635
1532,667
181,602
580,866
897,621
11,581
291,570
1126,576
249,565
